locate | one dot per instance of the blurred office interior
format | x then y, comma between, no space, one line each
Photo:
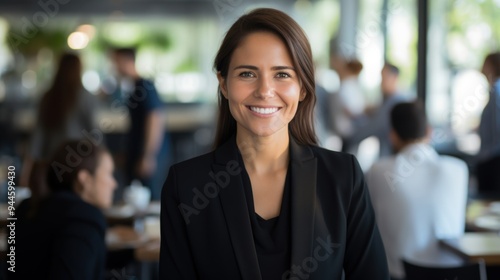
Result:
439,47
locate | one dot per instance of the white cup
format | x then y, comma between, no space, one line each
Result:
152,227
137,196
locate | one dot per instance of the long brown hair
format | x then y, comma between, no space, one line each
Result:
274,21
61,98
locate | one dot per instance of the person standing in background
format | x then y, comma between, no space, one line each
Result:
378,123
145,137
350,90
488,159
489,128
351,97
66,111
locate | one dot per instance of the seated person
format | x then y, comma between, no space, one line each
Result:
418,196
63,236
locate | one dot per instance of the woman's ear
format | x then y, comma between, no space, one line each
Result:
222,84
84,180
302,95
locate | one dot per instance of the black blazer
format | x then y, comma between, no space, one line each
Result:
206,231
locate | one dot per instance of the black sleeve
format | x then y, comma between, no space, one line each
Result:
78,253
365,255
176,261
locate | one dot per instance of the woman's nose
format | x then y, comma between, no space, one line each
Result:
265,88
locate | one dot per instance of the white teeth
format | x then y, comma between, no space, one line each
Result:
264,111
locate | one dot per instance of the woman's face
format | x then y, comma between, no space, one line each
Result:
262,86
98,188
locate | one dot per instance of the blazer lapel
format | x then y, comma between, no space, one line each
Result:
303,201
234,205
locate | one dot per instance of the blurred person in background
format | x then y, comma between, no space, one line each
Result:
63,236
489,129
145,137
377,121
351,98
66,111
418,196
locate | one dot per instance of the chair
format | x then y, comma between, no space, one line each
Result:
469,271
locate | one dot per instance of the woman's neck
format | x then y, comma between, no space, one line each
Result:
264,155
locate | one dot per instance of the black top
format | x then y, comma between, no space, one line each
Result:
65,239
206,231
271,237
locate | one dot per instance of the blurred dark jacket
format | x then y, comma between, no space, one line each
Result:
63,239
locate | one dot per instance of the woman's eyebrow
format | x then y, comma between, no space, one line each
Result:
274,68
246,67
283,68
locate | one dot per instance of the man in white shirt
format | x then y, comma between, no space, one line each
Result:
418,196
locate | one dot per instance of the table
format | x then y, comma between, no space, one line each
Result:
483,215
127,244
148,252
123,214
475,246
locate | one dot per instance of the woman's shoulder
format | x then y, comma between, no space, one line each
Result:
76,211
197,163
330,155
333,162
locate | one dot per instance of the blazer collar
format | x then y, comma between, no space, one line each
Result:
235,208
303,204
303,201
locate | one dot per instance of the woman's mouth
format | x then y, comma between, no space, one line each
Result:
264,110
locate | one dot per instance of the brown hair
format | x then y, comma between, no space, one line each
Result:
61,98
409,121
71,157
493,59
128,53
274,21
393,69
354,66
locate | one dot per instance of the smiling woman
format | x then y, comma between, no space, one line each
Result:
292,55
262,87
268,203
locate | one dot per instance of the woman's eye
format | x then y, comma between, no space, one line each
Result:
246,74
282,75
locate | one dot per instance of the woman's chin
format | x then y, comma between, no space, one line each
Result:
266,132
